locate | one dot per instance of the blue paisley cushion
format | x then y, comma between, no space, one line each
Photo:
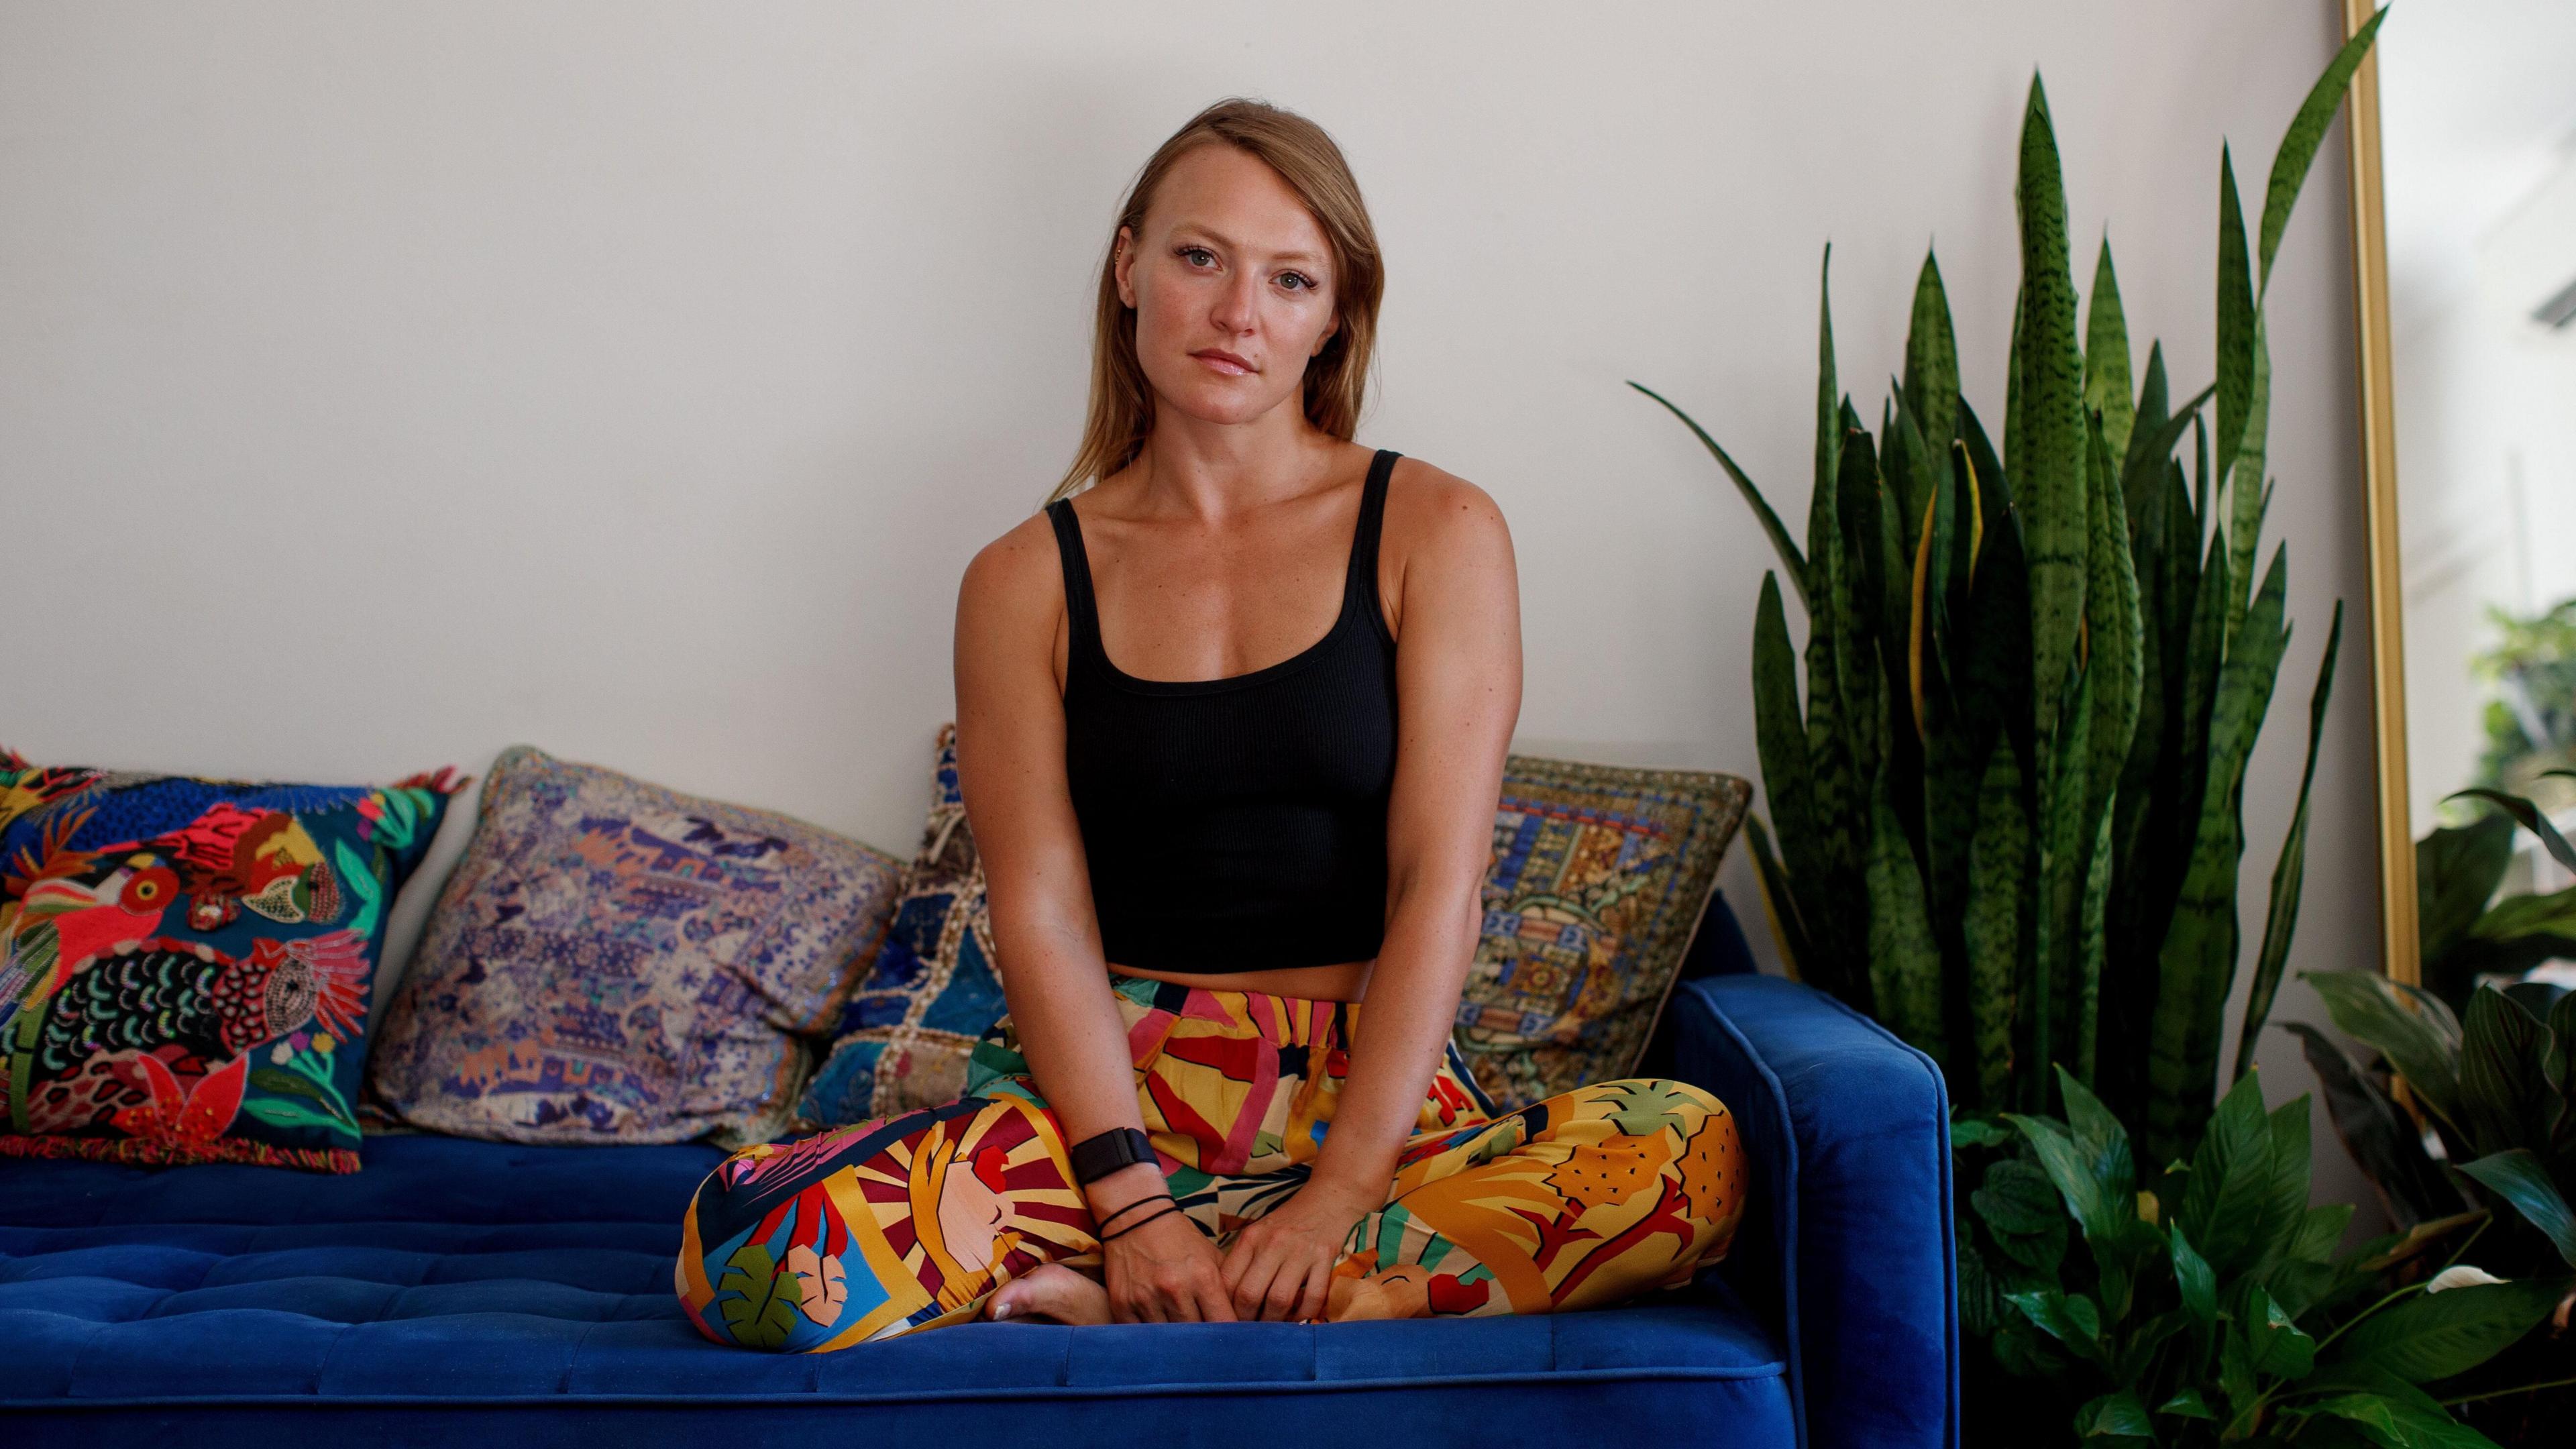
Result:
186,964
1599,877
613,961
904,1037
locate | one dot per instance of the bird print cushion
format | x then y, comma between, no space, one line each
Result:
185,964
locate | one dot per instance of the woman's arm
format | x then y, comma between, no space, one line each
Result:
1458,681
1010,769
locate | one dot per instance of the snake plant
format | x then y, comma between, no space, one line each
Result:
2006,815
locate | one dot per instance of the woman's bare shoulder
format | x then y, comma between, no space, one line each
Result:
1429,508
1014,585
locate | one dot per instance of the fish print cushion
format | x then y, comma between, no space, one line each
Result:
1599,877
186,964
616,962
904,1038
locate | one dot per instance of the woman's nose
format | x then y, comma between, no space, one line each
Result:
1235,305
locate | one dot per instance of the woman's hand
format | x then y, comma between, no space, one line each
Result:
1165,1270
1280,1267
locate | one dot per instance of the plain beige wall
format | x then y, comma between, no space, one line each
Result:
384,384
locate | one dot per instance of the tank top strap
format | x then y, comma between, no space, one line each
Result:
1083,610
1361,586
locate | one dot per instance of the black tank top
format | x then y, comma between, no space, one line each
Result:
1237,824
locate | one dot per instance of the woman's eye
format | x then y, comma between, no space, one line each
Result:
1192,255
1304,283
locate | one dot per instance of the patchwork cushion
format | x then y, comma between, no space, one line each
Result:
1599,877
903,1039
186,964
613,961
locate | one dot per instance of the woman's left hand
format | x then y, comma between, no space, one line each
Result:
1280,1267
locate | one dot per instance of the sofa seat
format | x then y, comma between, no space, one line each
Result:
458,1291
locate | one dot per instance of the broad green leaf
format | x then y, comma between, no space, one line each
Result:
2505,1091
2064,1162
2409,1026
2529,817
2017,1199
2231,1171
2435,1335
1772,527
2101,1143
2395,1424
2274,1343
2070,1318
2106,355
2118,1415
1977,1132
2046,450
2192,1275
2289,873
2186,1404
2377,1133
2457,869
2519,1178
2307,131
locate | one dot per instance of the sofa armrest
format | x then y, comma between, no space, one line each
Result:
1846,1242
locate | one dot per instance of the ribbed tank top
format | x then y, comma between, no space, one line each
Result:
1237,824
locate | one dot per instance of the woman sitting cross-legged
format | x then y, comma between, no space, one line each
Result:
1234,894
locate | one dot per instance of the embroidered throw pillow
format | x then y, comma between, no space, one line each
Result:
612,961
903,1039
185,964
1599,877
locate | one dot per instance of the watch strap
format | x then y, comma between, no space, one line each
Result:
1097,1156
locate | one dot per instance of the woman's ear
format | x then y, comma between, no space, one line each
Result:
1124,267
1331,326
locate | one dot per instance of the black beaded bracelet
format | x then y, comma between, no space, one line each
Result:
1140,1222
1131,1207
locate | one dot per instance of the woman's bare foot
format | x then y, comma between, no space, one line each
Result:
1050,1291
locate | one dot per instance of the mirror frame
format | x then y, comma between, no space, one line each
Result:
2400,947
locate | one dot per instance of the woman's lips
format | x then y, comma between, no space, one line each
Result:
1225,362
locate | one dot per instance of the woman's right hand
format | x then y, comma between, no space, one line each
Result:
1163,1271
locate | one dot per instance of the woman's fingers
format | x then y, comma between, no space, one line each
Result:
1319,1291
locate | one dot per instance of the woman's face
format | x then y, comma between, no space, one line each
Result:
1232,284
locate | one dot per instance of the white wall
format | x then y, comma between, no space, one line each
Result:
383,384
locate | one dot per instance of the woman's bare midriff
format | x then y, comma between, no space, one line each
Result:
1342,981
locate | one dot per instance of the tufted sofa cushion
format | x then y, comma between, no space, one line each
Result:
493,1293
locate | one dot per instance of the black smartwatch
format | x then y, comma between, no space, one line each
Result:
1097,1157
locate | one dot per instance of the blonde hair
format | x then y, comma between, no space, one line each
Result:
1122,403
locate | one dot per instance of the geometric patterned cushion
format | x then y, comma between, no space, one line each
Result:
903,1038
613,961
186,964
1598,880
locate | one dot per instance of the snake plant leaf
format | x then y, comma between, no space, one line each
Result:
2200,948
1788,779
1829,431
2289,873
2377,1133
2435,1335
2406,1024
2205,659
2307,131
2248,494
2457,870
2518,1176
1914,472
1999,876
1772,528
1778,904
2045,445
2106,355
2062,837
2235,318
2529,817
2092,947
2151,446
2112,626
1931,388
2200,473
1905,969
2507,1092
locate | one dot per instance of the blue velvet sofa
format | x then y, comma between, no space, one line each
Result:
459,1292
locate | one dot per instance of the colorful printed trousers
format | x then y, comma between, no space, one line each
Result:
913,1221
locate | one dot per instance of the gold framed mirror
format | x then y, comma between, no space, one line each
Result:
2462,156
